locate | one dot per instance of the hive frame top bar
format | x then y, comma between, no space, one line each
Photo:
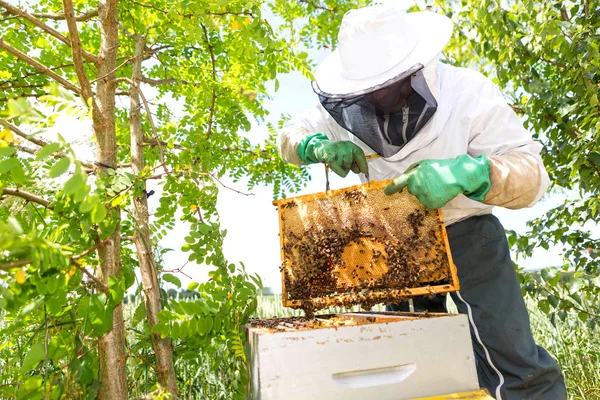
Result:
379,294
334,192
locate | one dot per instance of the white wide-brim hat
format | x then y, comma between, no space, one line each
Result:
378,44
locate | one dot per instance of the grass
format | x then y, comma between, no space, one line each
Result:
576,348
574,345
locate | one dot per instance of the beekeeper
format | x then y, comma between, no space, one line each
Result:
448,136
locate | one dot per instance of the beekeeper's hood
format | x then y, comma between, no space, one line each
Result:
382,47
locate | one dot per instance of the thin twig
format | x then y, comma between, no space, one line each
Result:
14,264
214,77
90,250
154,132
178,270
312,3
227,187
154,142
115,69
39,66
58,17
36,95
30,74
101,286
4,87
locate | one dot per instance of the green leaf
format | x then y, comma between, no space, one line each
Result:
594,158
116,290
31,389
99,213
193,285
47,150
7,151
205,325
204,228
88,204
34,356
18,175
60,167
75,183
172,279
52,284
8,164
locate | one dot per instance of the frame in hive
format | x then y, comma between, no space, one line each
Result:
359,246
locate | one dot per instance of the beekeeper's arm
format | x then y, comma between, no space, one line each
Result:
315,137
518,178
503,166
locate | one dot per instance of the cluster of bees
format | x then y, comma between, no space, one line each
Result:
414,256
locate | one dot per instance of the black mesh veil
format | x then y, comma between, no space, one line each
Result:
385,133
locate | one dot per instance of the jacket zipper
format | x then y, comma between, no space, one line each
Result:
404,123
386,123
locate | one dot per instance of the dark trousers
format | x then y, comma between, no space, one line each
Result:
509,363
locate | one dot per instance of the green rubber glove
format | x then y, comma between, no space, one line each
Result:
436,182
340,156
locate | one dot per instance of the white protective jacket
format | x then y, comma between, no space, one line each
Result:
472,118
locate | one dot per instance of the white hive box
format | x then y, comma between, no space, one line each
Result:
389,356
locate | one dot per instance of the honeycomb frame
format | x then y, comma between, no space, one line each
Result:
350,292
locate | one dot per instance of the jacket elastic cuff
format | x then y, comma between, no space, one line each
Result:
306,148
481,177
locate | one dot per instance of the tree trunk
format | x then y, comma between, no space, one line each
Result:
163,349
111,346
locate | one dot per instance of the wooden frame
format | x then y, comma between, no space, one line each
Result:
382,293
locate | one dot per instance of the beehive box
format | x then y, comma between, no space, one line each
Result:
359,246
357,356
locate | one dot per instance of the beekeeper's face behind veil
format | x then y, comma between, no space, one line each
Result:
380,82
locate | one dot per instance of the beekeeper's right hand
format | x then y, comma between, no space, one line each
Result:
340,156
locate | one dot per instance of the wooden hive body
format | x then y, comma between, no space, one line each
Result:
391,356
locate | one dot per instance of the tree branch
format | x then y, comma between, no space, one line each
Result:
22,134
230,188
168,81
39,66
87,167
59,17
154,132
22,77
312,3
154,142
157,82
14,264
76,50
214,76
36,95
51,31
27,196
